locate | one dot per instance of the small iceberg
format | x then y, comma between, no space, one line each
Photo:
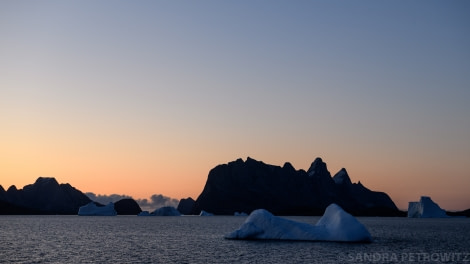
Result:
204,213
166,211
92,209
163,211
144,213
334,225
425,208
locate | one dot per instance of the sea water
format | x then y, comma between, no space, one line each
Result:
194,239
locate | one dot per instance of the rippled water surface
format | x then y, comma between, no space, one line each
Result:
193,239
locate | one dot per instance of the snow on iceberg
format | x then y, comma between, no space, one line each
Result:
166,211
334,225
92,209
425,208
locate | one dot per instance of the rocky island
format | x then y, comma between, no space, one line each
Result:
244,186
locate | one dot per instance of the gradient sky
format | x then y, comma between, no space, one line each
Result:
144,97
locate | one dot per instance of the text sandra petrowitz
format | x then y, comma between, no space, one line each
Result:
382,257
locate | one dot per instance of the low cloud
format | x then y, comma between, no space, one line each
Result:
106,199
156,201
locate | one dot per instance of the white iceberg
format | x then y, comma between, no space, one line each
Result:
204,213
166,211
92,209
425,208
334,225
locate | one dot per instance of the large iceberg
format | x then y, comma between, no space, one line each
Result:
425,208
92,209
334,225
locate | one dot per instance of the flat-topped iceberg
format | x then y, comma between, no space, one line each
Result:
92,209
334,225
425,208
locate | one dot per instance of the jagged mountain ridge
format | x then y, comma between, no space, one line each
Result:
243,186
45,196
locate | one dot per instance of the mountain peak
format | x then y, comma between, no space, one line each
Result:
250,159
318,168
46,181
317,160
12,188
288,166
342,177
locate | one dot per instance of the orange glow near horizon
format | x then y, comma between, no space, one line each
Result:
141,176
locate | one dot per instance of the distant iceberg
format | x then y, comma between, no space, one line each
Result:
204,213
334,225
92,209
163,211
166,211
425,208
144,213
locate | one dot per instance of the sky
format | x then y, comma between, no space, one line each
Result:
145,97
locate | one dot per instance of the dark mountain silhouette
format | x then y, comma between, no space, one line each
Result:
45,196
243,186
465,213
185,206
7,208
127,206
3,195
